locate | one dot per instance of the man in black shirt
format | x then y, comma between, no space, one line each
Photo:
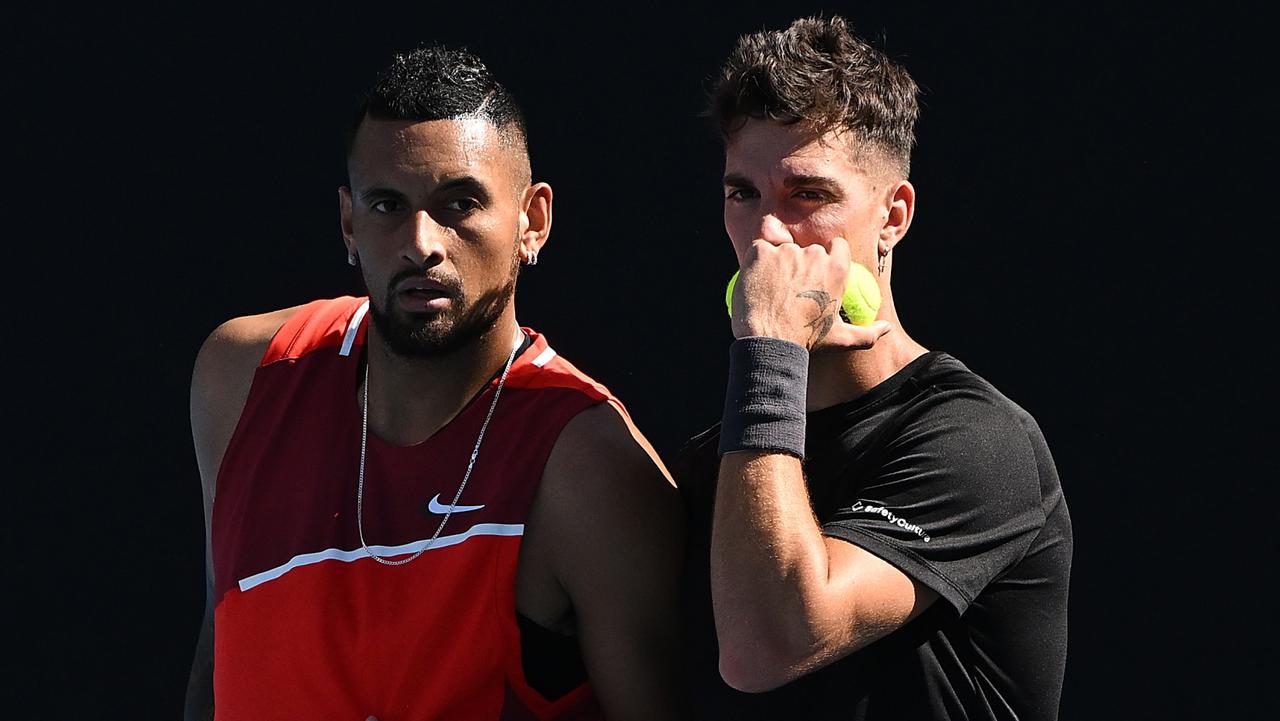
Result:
876,531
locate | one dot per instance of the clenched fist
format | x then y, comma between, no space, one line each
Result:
791,292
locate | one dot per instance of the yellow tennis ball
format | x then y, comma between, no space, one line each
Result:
728,292
861,299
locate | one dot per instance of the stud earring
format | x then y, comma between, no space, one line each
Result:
352,260
532,259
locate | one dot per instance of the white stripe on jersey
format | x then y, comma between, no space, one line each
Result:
334,554
353,328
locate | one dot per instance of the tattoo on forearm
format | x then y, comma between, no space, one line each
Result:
821,324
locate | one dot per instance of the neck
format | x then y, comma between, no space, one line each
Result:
412,398
840,376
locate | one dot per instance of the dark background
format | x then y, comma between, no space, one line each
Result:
1092,236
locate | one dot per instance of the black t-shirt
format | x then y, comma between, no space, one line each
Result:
942,476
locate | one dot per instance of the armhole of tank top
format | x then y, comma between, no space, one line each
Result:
286,336
552,662
331,314
550,681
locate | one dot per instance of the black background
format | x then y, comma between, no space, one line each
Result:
1092,236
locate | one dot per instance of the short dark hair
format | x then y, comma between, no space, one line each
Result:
819,73
434,82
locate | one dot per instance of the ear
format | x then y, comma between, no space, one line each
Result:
900,204
535,218
344,216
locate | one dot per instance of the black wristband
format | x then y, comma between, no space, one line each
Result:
765,401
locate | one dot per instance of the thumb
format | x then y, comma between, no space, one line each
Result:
839,250
847,336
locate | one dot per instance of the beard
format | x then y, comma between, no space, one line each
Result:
437,334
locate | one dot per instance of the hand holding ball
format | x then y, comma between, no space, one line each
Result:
861,298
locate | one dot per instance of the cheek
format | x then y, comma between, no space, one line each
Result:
486,247
819,228
377,235
835,221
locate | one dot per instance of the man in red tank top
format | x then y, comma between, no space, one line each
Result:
416,509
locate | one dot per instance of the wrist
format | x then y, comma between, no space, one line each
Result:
764,407
761,325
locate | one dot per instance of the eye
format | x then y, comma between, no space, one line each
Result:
812,196
740,194
462,205
385,207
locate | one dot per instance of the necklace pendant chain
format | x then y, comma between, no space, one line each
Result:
475,452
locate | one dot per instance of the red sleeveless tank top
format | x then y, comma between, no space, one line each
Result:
307,626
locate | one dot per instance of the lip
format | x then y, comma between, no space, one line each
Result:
421,284
422,295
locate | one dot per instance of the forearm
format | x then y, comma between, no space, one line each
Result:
769,566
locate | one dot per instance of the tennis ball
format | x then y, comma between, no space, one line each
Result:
861,298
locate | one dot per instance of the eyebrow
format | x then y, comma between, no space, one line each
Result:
378,192
467,182
464,182
814,181
737,180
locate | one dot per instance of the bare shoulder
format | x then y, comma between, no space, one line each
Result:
602,448
229,356
220,381
239,340
602,483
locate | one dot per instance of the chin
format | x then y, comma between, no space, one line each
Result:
432,335
422,335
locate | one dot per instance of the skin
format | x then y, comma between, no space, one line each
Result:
452,198
798,207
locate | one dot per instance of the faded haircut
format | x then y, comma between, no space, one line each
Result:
438,83
821,75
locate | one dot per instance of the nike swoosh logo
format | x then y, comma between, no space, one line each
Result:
435,506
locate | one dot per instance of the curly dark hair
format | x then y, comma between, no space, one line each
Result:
818,73
438,83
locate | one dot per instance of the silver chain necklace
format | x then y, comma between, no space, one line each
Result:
364,445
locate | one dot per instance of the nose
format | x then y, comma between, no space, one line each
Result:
427,244
773,230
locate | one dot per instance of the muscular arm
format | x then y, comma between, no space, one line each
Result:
787,599
220,383
615,540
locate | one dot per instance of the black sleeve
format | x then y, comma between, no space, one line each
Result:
952,499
